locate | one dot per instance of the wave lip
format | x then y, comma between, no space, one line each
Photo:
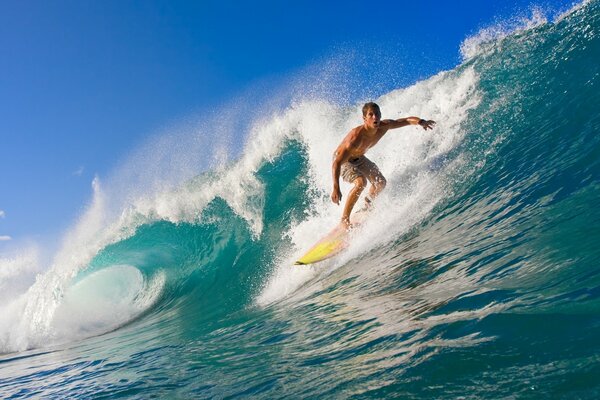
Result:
491,36
95,304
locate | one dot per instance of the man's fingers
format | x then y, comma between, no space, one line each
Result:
428,125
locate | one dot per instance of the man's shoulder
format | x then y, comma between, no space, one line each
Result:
352,138
386,124
356,131
352,133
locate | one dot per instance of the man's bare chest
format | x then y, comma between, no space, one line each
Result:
362,143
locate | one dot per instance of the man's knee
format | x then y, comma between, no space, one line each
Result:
360,183
380,182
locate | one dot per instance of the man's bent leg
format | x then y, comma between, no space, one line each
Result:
378,183
359,185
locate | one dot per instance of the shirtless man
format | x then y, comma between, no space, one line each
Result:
349,158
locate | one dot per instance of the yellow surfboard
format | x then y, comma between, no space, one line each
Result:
333,243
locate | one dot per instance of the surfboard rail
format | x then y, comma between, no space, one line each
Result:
333,243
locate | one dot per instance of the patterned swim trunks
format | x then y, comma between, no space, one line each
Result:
357,167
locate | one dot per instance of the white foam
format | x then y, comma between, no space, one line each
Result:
411,159
17,272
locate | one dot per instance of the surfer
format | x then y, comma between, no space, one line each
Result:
350,162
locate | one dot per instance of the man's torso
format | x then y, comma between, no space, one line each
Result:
359,140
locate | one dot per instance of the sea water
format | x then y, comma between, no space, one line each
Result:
476,276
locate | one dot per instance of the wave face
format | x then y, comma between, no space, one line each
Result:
477,274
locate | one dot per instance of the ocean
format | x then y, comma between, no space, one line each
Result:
477,274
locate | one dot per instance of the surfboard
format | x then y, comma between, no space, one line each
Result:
333,243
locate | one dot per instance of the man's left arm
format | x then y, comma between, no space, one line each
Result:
399,123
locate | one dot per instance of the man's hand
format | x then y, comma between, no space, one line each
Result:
427,124
336,195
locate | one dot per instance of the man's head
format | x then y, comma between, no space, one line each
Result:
372,107
371,115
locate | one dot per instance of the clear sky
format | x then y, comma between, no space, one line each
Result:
83,82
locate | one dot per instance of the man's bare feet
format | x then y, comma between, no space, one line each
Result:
347,224
367,206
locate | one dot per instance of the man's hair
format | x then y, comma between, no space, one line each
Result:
370,106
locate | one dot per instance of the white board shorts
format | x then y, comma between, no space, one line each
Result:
357,167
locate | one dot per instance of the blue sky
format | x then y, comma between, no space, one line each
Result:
82,83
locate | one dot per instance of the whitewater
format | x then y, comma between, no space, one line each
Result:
476,275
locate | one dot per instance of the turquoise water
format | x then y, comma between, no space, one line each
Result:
477,275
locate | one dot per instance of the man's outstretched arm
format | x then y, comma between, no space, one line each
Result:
399,123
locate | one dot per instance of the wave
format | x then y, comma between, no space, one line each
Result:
211,215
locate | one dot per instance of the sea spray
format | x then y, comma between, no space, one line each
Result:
415,163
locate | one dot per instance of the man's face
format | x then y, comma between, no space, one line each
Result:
372,118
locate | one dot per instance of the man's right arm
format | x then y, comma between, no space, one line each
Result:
338,158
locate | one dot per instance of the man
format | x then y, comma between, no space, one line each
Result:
349,158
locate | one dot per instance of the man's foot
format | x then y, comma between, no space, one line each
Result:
347,224
368,204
